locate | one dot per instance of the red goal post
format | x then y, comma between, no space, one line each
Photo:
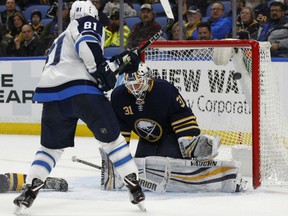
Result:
226,106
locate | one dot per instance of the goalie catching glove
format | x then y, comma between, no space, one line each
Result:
202,147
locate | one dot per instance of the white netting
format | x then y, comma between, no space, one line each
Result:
273,127
222,103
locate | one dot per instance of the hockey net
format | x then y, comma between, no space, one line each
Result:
229,107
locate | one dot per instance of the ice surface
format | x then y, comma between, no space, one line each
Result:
85,197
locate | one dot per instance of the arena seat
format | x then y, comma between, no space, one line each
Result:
162,20
111,51
131,21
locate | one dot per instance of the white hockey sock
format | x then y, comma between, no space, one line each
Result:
45,160
120,155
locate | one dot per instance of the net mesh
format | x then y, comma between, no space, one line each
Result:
222,102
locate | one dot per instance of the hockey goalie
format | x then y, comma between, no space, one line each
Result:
172,153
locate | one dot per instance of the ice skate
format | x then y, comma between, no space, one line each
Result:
136,194
27,197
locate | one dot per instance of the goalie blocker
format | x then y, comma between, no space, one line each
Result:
160,174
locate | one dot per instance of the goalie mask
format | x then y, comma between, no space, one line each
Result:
139,82
83,8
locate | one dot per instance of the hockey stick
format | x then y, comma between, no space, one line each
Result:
146,183
75,159
157,35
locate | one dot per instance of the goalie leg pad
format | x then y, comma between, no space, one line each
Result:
120,155
110,179
161,174
191,176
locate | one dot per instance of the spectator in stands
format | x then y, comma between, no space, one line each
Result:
114,5
175,10
286,4
260,8
6,17
36,18
30,46
276,30
247,25
176,15
150,1
102,16
23,4
144,30
204,31
175,32
194,17
112,37
50,31
202,5
239,5
18,21
3,42
221,25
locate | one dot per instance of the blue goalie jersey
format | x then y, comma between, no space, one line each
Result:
164,112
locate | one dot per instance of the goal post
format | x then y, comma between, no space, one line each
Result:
243,110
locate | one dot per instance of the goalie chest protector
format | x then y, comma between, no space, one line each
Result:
162,106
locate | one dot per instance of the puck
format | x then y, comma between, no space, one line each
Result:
237,76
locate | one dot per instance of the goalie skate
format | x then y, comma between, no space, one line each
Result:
241,186
136,194
27,197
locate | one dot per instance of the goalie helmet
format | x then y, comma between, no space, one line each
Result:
83,8
139,82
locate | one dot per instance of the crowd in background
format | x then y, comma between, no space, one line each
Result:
32,34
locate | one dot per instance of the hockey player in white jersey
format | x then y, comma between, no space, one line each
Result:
71,88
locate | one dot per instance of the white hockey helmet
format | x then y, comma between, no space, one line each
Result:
83,8
138,83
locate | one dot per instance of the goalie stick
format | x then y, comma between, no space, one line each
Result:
157,35
75,159
146,183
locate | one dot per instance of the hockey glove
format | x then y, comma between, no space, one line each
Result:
202,147
130,58
104,76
